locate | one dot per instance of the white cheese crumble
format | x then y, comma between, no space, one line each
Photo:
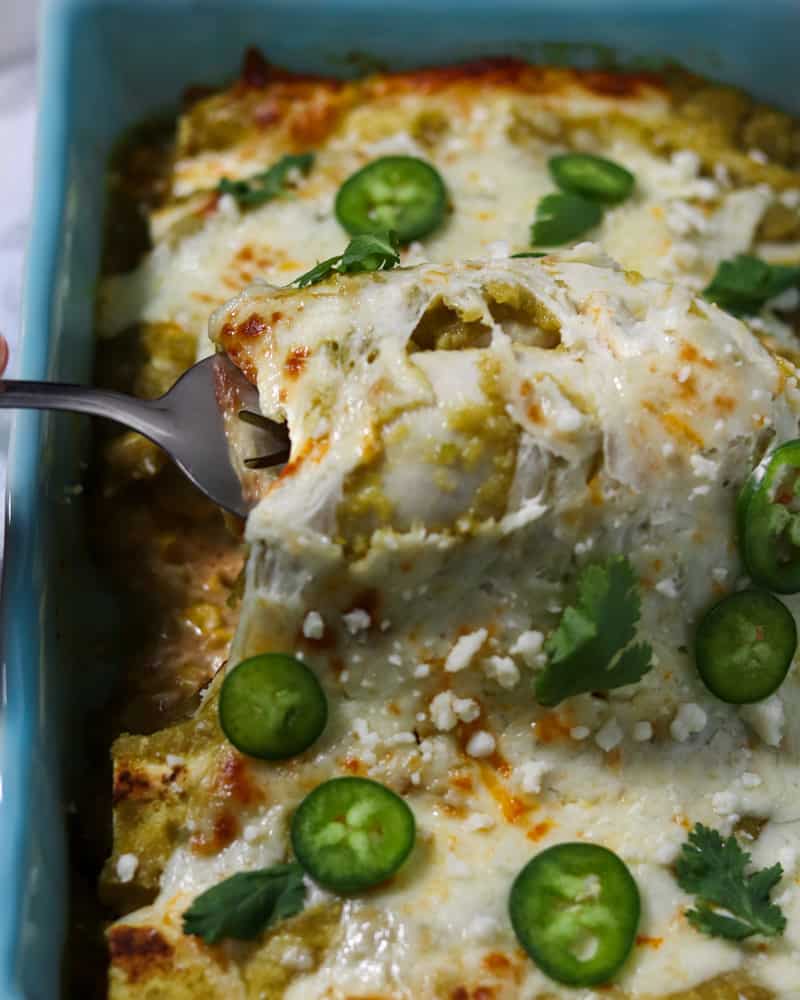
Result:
446,710
724,803
530,774
750,780
690,719
126,867
766,718
481,744
478,821
703,468
642,732
686,163
609,736
173,760
579,732
528,645
503,670
356,621
298,957
667,587
313,625
463,650
422,670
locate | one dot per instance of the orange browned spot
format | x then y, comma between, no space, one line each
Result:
509,72
353,765
234,780
553,727
138,951
511,806
367,600
313,449
130,784
479,993
649,942
203,297
677,425
210,206
462,781
296,361
540,830
725,404
498,963
682,820
314,120
686,388
224,830
454,810
535,413
246,254
525,387
689,352
253,326
393,708
612,84
283,395
614,757
595,490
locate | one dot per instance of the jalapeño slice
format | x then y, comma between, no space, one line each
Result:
744,646
768,519
272,706
591,176
401,194
351,833
575,909
563,217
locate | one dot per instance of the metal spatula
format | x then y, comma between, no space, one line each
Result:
187,422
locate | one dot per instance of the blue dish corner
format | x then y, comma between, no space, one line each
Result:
103,65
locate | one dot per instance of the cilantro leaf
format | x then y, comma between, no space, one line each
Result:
368,252
590,651
527,253
246,904
269,183
741,286
713,869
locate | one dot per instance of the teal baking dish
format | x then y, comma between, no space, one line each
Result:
105,64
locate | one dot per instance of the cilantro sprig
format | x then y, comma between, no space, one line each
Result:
367,252
268,184
730,903
741,286
592,649
246,904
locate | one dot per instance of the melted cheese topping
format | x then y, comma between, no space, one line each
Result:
491,146
438,506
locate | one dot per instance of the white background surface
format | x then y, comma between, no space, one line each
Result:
17,118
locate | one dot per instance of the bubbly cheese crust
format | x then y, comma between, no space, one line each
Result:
439,503
465,438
